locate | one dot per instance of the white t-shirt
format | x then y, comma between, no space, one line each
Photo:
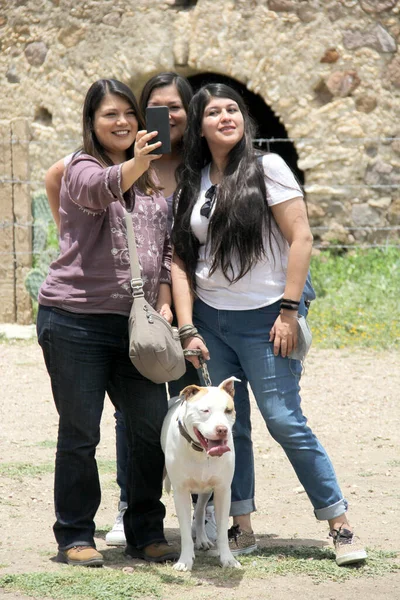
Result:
265,283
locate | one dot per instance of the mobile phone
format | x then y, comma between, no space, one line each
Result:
157,119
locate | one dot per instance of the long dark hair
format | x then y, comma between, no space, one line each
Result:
91,145
242,216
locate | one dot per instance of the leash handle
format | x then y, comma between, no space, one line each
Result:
203,365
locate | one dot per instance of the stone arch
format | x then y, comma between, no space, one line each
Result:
269,125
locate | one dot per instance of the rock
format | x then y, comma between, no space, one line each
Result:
71,36
377,6
315,212
128,570
336,208
393,72
282,5
370,149
396,146
310,162
366,103
364,215
382,173
377,38
323,95
12,76
336,11
342,83
331,56
35,53
382,203
306,14
394,212
113,19
337,233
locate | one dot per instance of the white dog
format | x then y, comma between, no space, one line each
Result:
200,458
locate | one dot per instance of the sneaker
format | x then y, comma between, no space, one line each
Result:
157,552
241,542
116,537
348,547
210,524
84,556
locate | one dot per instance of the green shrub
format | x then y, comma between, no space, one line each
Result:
357,299
44,244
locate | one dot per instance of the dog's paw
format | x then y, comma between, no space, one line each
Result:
183,566
230,563
203,544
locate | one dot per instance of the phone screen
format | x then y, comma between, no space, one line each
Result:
157,119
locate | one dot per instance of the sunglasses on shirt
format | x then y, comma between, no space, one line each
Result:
210,194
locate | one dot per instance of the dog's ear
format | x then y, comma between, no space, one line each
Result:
189,391
228,385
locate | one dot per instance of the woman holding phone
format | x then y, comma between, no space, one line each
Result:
82,325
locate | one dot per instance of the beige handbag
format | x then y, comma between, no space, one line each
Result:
154,346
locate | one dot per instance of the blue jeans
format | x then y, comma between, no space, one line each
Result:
87,356
239,346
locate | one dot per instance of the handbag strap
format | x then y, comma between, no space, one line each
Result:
136,279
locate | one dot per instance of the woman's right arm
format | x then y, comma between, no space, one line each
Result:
53,181
132,169
183,304
94,187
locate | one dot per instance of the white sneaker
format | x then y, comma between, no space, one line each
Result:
210,524
116,537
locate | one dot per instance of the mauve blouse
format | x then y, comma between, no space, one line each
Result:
92,272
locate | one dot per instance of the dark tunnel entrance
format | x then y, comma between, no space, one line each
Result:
268,124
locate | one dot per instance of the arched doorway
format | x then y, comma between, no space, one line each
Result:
268,124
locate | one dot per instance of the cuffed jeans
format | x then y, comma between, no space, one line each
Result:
238,342
87,356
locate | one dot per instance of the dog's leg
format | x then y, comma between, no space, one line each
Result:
222,502
183,504
202,541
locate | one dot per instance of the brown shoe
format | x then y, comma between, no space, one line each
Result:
84,556
157,552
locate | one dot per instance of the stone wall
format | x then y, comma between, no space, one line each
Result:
329,69
15,230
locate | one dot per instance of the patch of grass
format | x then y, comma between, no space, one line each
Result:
357,299
150,581
317,563
394,463
47,444
106,467
91,584
19,470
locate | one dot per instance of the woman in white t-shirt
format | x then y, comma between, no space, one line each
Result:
242,251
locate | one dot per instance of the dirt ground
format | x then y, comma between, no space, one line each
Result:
352,402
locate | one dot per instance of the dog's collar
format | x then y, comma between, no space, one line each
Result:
187,437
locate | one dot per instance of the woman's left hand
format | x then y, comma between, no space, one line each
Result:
284,334
165,311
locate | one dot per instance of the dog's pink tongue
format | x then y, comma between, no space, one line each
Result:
218,450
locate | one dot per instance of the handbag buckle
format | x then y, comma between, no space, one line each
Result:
137,287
